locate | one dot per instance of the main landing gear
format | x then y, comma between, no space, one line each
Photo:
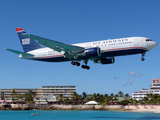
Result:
75,63
143,54
83,66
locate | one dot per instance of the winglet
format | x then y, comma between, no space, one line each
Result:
19,29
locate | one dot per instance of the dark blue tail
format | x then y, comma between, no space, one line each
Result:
28,44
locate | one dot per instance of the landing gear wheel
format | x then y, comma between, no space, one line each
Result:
73,63
142,59
77,63
83,66
87,67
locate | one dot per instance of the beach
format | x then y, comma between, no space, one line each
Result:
132,108
143,108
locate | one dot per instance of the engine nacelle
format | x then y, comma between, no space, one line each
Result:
108,60
92,52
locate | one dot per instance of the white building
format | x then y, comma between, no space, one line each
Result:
45,100
155,89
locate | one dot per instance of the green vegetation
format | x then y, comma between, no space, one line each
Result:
102,99
27,98
150,99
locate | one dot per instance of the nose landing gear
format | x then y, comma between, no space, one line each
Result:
143,54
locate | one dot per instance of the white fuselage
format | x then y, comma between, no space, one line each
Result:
109,48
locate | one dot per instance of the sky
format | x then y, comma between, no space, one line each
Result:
78,21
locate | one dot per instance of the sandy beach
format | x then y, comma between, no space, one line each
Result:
144,108
133,108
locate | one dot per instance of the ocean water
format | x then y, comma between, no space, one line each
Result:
76,115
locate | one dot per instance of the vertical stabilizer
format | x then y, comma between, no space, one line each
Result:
28,44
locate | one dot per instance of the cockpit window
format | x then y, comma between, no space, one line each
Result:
148,40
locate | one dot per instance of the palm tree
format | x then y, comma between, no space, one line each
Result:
141,102
135,102
131,101
101,99
155,98
89,97
76,98
33,94
116,95
61,97
19,96
84,95
98,97
120,94
94,97
12,94
106,98
29,96
146,100
66,101
126,95
111,95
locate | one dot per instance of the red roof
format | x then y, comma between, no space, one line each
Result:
4,101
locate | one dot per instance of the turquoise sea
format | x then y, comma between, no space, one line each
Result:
76,115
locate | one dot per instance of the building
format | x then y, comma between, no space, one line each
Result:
45,100
66,91
116,101
155,89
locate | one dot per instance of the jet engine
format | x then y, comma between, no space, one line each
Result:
91,52
108,60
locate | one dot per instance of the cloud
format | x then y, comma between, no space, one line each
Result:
133,74
139,75
130,82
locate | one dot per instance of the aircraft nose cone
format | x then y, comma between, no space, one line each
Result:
152,45
155,44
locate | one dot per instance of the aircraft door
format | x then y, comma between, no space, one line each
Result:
136,42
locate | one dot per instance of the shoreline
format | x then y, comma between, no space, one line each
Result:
130,108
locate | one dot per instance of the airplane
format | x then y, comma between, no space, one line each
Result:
104,51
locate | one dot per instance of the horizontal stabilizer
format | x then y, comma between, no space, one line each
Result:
19,52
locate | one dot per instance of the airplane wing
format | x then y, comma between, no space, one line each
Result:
70,50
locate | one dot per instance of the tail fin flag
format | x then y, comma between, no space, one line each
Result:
28,44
